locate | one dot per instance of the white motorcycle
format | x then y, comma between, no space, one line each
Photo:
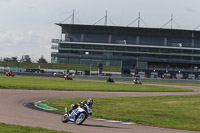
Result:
137,82
78,115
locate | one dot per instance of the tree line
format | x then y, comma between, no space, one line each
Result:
26,60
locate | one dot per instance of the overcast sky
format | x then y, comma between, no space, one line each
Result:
27,26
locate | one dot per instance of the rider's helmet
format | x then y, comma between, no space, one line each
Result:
72,105
90,102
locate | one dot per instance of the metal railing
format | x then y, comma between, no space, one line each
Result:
54,47
55,40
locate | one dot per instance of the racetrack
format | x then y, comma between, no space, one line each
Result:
13,112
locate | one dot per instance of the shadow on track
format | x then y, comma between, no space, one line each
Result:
101,126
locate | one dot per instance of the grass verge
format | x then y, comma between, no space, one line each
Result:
178,112
181,84
37,83
8,128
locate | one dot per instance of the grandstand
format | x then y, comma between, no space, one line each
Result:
135,49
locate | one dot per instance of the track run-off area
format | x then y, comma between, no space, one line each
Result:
13,110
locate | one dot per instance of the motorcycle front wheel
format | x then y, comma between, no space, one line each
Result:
80,118
64,118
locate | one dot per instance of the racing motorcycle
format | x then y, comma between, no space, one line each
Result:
137,82
78,115
110,80
68,77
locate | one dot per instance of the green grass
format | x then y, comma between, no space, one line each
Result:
36,83
181,84
178,112
8,128
59,66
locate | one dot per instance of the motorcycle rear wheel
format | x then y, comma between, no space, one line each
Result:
64,118
80,118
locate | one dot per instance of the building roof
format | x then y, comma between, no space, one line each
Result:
128,30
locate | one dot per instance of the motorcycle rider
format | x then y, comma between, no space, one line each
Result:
9,72
136,79
110,80
89,102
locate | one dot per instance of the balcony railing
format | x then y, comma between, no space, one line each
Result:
55,40
60,40
54,47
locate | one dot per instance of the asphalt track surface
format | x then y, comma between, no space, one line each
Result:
13,111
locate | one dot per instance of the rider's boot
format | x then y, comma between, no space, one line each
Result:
66,110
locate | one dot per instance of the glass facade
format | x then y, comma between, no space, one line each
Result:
113,55
93,62
127,51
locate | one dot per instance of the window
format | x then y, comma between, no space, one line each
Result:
187,51
76,46
98,47
97,53
186,57
120,48
96,62
85,61
143,49
165,50
65,45
153,50
74,61
109,47
118,54
176,51
63,60
87,46
108,53
197,58
131,49
196,52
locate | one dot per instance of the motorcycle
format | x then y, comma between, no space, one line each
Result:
137,82
68,78
78,115
10,74
110,80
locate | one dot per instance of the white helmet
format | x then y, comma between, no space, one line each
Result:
90,102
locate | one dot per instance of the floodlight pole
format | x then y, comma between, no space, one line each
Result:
106,18
171,21
139,20
73,16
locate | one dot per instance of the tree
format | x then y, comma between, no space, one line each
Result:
7,59
14,59
42,60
